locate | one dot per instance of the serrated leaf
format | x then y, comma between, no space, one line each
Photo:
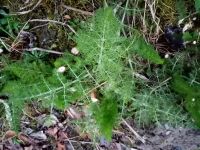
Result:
193,107
197,5
98,43
181,9
145,50
180,86
191,95
32,81
106,115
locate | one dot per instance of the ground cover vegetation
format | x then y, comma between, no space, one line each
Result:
116,60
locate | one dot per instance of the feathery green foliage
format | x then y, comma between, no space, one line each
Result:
104,50
104,54
191,95
144,49
36,80
181,9
197,5
105,114
158,107
8,24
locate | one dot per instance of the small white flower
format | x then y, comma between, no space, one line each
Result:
94,100
195,18
1,50
166,56
61,69
75,51
193,99
194,42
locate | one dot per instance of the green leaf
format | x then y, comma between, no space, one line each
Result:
190,36
187,36
33,81
181,86
181,9
197,5
106,115
191,95
144,49
98,43
193,106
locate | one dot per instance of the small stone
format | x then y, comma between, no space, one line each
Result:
38,135
176,148
168,133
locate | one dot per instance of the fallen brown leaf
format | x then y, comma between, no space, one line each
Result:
67,17
60,146
9,134
62,135
24,138
52,132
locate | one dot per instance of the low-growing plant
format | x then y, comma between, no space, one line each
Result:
9,26
105,52
103,59
191,95
159,107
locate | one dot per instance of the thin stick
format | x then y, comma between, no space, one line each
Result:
28,11
78,10
160,85
53,21
8,112
134,132
39,26
43,50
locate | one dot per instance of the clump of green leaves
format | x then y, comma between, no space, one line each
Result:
105,114
104,54
181,9
9,26
191,95
105,51
197,5
28,81
158,107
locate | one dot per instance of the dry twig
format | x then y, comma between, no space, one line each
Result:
53,21
134,132
78,10
43,50
28,11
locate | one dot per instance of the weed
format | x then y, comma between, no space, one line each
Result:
106,65
103,53
9,26
159,107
